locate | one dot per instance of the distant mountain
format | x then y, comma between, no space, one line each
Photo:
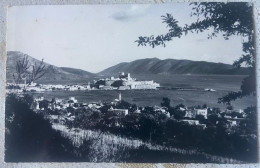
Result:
142,66
173,66
79,72
54,74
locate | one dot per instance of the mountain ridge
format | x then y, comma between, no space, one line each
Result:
144,66
54,74
173,66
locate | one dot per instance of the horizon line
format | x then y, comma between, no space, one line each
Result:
119,62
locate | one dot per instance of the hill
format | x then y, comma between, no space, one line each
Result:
173,66
142,66
54,74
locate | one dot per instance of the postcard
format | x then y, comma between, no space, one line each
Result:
131,83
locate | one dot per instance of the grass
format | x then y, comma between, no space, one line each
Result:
107,147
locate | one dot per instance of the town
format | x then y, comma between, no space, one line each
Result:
69,109
123,82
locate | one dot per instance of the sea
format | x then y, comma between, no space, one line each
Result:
181,89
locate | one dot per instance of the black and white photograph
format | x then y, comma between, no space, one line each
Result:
131,83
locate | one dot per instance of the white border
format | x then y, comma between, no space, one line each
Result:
3,15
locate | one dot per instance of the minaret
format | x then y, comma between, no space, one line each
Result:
120,97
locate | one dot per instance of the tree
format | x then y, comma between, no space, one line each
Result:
249,124
21,70
27,72
44,104
147,126
178,114
29,137
230,107
166,102
38,71
204,106
117,83
104,108
100,82
216,110
201,118
123,105
148,110
213,118
233,18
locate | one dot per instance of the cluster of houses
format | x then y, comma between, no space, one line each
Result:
190,117
192,114
34,87
126,83
61,104
55,104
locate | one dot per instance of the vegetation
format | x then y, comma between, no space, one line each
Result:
117,83
233,18
38,141
218,138
100,82
227,19
27,72
29,137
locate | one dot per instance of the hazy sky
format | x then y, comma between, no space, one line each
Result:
95,37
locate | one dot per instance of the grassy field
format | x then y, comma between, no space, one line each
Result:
223,84
107,147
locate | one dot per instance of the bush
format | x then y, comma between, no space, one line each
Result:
117,83
29,137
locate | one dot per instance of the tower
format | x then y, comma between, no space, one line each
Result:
128,76
119,97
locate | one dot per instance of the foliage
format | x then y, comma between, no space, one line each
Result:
117,83
247,88
248,126
38,71
227,19
166,102
174,111
125,105
29,137
100,82
218,138
39,142
44,104
24,72
21,68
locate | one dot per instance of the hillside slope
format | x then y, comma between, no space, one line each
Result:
172,66
54,74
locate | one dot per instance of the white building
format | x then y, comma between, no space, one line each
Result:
119,111
190,114
73,99
39,99
203,112
133,84
192,122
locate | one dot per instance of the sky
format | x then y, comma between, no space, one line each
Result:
95,37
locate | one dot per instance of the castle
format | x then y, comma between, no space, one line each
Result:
126,82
